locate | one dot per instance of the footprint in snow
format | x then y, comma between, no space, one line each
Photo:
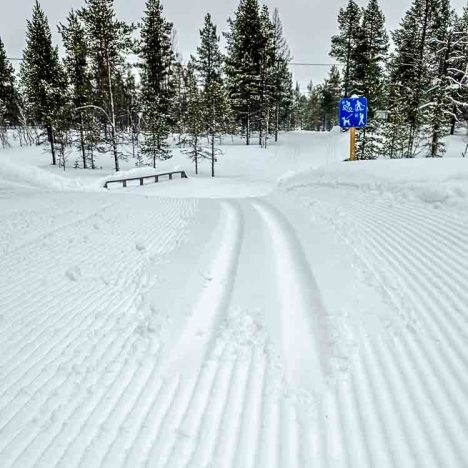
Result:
73,274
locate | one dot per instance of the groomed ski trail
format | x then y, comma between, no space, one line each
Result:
235,367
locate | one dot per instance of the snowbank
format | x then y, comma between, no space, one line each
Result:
432,181
25,174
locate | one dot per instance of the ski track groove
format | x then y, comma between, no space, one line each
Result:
154,420
354,424
352,446
395,445
209,427
253,436
445,327
45,368
193,413
228,438
450,281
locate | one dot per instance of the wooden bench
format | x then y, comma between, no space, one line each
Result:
154,178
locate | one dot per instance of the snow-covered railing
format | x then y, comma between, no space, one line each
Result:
154,177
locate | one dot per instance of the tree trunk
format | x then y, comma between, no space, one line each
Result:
114,150
196,155
277,122
453,121
260,132
248,129
50,136
212,154
82,143
414,126
113,125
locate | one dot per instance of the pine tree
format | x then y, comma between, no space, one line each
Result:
218,114
157,86
8,94
266,78
208,64
108,40
344,44
441,91
243,63
76,64
395,131
370,59
179,102
209,60
42,77
458,69
131,103
282,90
314,110
330,99
194,121
417,58
299,109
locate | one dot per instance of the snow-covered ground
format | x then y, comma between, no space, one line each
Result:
295,311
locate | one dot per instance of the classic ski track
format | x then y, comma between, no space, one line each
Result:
302,313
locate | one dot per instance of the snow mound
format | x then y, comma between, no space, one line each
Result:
430,181
24,174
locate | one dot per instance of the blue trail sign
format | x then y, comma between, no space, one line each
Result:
353,112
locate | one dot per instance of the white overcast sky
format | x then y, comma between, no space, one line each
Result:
308,24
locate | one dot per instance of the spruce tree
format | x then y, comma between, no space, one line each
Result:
8,94
344,44
282,89
441,91
370,59
109,40
458,69
76,64
266,78
218,114
299,109
243,64
416,74
131,104
194,121
157,86
330,99
209,66
209,60
42,77
179,102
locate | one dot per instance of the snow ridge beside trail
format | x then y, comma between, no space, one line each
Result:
33,176
438,182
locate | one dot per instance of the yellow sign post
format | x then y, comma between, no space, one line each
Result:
352,146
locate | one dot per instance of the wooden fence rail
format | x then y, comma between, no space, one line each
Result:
155,177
